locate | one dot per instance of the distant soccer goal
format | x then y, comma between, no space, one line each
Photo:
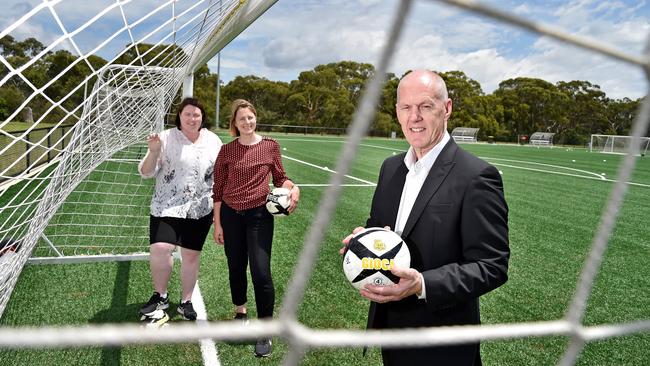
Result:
541,139
465,134
617,144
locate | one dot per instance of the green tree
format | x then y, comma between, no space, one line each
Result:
152,55
268,97
30,47
620,116
328,94
479,111
10,99
10,47
586,111
310,94
349,75
386,118
531,105
205,90
471,108
461,88
70,85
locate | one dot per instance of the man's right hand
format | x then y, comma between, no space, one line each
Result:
346,240
154,143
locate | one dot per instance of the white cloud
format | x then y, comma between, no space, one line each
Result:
612,22
445,38
489,68
368,3
297,36
231,63
522,9
610,6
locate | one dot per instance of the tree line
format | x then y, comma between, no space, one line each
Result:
326,96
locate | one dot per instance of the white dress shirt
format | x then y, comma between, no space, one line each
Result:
184,174
418,172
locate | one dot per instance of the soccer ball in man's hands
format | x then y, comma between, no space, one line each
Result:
277,202
370,255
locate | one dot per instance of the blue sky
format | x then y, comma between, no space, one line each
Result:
295,36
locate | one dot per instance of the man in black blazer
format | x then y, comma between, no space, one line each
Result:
449,208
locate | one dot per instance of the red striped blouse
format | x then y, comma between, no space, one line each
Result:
241,173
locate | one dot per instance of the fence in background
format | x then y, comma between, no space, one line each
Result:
21,156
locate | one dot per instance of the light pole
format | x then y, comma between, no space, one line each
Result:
218,87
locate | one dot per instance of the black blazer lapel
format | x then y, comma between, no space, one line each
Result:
439,171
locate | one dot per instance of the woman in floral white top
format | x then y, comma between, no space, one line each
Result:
182,161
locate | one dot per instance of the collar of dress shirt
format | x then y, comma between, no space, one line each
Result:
429,158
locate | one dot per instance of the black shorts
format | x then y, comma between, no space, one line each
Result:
187,233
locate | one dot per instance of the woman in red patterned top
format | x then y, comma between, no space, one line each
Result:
241,222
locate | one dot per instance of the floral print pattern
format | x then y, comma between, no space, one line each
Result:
183,175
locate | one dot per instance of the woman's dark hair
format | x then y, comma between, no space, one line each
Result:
193,102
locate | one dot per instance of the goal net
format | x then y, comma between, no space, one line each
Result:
617,144
73,191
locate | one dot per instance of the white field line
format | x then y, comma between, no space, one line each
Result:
208,348
630,183
342,185
342,141
549,165
595,177
383,147
598,177
590,175
327,170
209,351
308,140
601,179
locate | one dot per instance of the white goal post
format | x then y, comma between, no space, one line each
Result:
617,144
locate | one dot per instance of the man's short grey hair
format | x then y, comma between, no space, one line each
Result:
442,88
441,94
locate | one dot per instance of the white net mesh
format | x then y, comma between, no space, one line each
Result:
28,206
76,157
617,144
107,213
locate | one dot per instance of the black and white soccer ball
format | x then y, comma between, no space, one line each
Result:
277,202
370,255
156,319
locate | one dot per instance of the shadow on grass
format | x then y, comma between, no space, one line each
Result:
118,312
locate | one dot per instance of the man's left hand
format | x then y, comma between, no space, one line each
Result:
410,283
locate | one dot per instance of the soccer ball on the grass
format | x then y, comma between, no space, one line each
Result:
156,319
370,255
277,202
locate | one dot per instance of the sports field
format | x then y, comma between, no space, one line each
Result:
556,196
